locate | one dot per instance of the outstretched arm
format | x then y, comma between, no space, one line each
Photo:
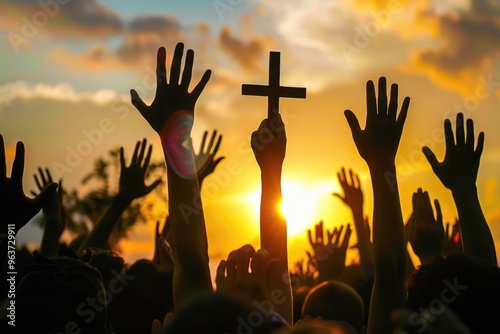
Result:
269,147
353,198
171,115
131,186
378,144
458,172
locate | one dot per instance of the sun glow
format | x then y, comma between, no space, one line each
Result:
300,206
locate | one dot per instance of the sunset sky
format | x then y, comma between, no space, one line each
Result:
67,68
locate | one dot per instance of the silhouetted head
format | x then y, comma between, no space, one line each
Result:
469,287
299,296
60,294
145,295
108,263
336,301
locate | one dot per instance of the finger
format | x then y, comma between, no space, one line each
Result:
353,122
339,196
217,161
137,102
351,183
156,327
122,159
358,183
231,265
382,96
188,70
18,165
339,177
152,186
217,145
161,69
42,177
448,133
166,227
347,236
309,236
175,69
371,101
426,207
38,184
145,164
203,140
157,230
3,161
220,275
311,259
393,103
201,85
431,157
141,152
403,114
439,214
447,227
136,151
344,176
459,129
319,232
480,145
469,142
211,142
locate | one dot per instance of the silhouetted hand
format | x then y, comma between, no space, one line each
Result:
378,142
305,276
424,232
131,184
234,278
15,207
53,210
452,240
329,254
171,96
353,195
459,168
269,144
158,327
205,158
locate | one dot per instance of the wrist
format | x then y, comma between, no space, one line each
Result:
122,199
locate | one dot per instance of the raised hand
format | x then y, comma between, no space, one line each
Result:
15,207
171,97
53,210
205,158
458,172
379,141
234,278
424,232
329,254
269,144
131,184
353,195
461,161
304,276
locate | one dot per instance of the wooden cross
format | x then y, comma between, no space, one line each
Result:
273,90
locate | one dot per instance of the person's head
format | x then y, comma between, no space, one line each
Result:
469,287
146,295
109,264
299,295
335,301
60,294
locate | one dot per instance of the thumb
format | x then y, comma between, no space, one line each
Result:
431,157
137,101
353,122
48,191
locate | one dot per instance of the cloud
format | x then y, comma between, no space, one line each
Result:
468,45
60,92
59,19
247,55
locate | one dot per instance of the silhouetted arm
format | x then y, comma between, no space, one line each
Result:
55,218
353,198
131,186
378,144
270,154
171,115
458,172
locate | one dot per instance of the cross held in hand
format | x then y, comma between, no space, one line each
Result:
273,90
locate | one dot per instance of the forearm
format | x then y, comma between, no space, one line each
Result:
99,236
191,273
476,235
364,244
49,245
273,238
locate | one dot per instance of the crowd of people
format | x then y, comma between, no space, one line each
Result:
86,287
